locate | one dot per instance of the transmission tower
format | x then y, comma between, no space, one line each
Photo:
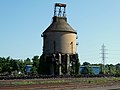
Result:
103,58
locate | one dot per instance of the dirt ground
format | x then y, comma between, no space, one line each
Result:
68,84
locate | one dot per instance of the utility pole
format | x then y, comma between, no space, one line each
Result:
103,58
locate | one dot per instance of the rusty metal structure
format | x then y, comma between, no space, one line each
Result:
59,46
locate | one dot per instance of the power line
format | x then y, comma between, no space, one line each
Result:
115,50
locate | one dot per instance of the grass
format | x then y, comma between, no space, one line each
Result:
39,82
23,83
64,80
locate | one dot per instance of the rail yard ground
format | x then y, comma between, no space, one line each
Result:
106,83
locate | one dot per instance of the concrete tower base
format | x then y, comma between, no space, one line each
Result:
59,64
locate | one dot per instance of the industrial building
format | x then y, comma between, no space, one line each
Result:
95,69
59,46
28,68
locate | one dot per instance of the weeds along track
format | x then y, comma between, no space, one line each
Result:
11,77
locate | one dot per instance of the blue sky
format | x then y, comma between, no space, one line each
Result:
96,21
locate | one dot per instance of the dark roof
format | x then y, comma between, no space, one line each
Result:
59,24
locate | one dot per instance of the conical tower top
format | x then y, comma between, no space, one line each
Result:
59,23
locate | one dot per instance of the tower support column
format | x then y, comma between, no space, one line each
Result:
68,64
60,62
52,67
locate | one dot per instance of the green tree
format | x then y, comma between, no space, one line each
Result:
34,70
7,68
110,69
86,64
27,61
21,66
35,64
117,68
14,65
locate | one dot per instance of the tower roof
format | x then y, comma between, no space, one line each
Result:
59,24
